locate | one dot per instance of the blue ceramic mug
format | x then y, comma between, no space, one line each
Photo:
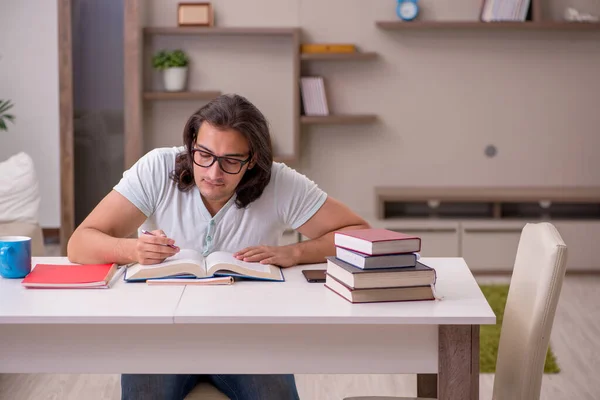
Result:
15,256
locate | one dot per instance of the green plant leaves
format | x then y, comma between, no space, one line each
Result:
5,105
168,59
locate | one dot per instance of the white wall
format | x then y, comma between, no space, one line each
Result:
441,97
29,77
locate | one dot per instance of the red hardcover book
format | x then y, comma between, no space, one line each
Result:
70,276
377,241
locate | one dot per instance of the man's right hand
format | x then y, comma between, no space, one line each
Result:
155,248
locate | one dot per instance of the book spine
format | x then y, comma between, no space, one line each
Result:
327,48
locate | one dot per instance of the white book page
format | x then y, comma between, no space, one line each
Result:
184,256
222,257
189,255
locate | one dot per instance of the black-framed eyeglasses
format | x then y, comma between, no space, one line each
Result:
204,159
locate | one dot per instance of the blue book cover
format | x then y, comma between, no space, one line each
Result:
364,261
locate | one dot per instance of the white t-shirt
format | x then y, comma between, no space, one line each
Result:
288,201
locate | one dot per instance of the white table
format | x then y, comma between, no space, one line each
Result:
249,327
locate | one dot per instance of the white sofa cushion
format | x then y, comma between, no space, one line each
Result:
19,190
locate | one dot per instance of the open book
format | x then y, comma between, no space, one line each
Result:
191,263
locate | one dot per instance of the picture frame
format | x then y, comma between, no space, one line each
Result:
195,14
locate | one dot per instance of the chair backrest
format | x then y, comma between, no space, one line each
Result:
535,287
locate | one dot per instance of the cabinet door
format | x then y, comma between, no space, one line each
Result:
582,239
438,238
490,246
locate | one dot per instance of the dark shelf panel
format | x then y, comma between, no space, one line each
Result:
347,119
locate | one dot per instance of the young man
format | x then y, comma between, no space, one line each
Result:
220,191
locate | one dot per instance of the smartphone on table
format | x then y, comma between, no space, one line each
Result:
314,275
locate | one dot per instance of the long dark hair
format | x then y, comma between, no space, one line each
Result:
237,113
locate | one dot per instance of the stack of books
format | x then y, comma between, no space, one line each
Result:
379,265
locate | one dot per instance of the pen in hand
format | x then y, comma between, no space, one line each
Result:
145,232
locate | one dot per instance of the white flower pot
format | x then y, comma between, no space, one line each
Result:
175,79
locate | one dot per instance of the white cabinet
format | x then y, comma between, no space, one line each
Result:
438,238
489,221
582,239
490,246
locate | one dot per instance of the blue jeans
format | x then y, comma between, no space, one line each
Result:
236,387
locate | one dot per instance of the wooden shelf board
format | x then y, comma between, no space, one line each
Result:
528,25
347,119
268,31
338,56
197,95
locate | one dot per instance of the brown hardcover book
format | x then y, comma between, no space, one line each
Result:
358,278
377,295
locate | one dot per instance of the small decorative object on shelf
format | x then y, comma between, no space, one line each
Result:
312,48
407,10
174,66
573,15
195,14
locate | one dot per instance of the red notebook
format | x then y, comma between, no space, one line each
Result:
377,241
71,276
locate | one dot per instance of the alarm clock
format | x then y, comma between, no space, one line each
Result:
407,10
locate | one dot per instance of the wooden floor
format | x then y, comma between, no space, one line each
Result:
575,340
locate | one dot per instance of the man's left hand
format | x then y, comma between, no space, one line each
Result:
283,256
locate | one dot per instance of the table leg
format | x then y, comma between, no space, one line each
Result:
427,386
458,366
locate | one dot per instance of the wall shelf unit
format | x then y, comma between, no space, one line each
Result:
535,21
136,38
135,94
194,95
488,26
357,56
339,119
483,224
259,31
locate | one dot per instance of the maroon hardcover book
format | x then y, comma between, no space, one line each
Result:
377,241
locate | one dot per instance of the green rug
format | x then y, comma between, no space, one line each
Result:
490,334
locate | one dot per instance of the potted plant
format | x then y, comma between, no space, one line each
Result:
5,105
174,67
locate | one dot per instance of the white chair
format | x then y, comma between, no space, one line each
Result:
206,391
535,287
